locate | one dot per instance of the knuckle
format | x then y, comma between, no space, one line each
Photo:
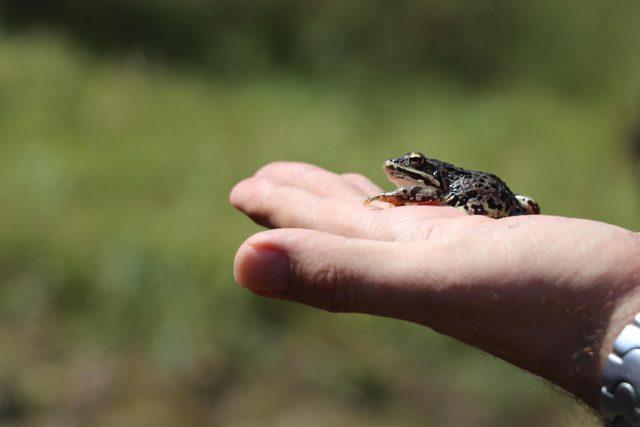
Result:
338,294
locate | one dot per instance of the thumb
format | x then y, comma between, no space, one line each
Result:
331,272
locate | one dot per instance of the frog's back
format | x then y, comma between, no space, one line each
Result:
482,193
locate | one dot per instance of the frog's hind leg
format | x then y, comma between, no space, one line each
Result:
471,204
425,196
528,204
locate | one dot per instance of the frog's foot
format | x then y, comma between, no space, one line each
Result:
528,204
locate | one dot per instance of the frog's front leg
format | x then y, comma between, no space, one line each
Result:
403,195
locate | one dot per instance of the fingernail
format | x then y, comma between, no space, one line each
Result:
263,270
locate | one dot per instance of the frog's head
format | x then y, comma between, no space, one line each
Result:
413,170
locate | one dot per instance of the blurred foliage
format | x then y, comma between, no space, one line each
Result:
570,44
117,302
123,125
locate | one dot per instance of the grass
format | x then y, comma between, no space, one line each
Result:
117,301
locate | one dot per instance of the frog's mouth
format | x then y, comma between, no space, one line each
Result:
404,176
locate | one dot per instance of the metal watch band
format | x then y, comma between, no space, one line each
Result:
620,393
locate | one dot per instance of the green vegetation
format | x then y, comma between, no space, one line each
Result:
117,301
570,45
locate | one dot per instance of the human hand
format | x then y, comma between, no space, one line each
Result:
548,294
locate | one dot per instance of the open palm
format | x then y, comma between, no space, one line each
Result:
543,292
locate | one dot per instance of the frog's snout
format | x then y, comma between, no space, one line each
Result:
390,164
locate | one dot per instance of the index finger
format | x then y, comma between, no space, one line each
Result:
278,206
311,178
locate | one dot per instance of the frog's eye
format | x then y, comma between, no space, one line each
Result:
416,159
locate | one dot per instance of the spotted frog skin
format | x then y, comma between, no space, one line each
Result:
421,180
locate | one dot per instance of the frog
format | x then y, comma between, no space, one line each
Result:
424,181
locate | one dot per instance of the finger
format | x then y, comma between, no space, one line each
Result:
363,182
277,206
328,271
310,178
289,207
416,281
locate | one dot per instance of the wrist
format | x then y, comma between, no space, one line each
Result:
617,302
626,314
591,359
571,348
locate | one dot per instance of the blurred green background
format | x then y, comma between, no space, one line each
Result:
124,124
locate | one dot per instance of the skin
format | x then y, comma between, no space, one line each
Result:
548,294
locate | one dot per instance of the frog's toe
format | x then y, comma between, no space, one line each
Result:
369,200
379,197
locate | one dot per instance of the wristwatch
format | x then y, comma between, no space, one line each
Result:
620,393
